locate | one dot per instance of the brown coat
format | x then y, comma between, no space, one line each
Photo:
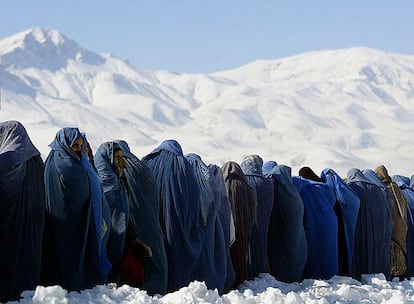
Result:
243,207
399,225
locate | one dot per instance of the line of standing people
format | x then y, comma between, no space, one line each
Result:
168,219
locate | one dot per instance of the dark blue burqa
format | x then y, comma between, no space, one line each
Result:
373,177
73,256
180,211
348,202
101,212
404,183
287,246
213,260
116,196
144,210
372,234
100,217
321,227
226,222
263,189
22,211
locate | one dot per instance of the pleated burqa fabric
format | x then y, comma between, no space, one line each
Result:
73,256
404,183
226,222
321,227
212,267
348,202
101,217
373,229
22,211
399,224
263,189
287,246
144,207
180,211
243,205
117,197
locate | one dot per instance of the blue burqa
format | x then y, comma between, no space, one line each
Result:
101,212
263,189
404,183
180,211
372,234
73,256
348,202
213,260
243,206
144,207
287,246
321,227
22,211
116,196
226,222
374,178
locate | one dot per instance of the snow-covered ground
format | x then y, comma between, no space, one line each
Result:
264,289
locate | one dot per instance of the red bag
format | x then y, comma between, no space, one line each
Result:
132,267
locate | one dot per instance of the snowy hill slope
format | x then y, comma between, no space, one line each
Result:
340,109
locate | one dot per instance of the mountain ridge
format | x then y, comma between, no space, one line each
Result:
334,108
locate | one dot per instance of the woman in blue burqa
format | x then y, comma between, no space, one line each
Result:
263,189
321,227
346,208
100,213
226,222
74,255
180,211
212,267
144,207
373,229
22,211
110,165
287,246
243,206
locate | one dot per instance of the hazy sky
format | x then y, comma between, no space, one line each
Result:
214,35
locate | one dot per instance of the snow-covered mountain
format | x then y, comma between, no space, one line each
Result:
340,109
